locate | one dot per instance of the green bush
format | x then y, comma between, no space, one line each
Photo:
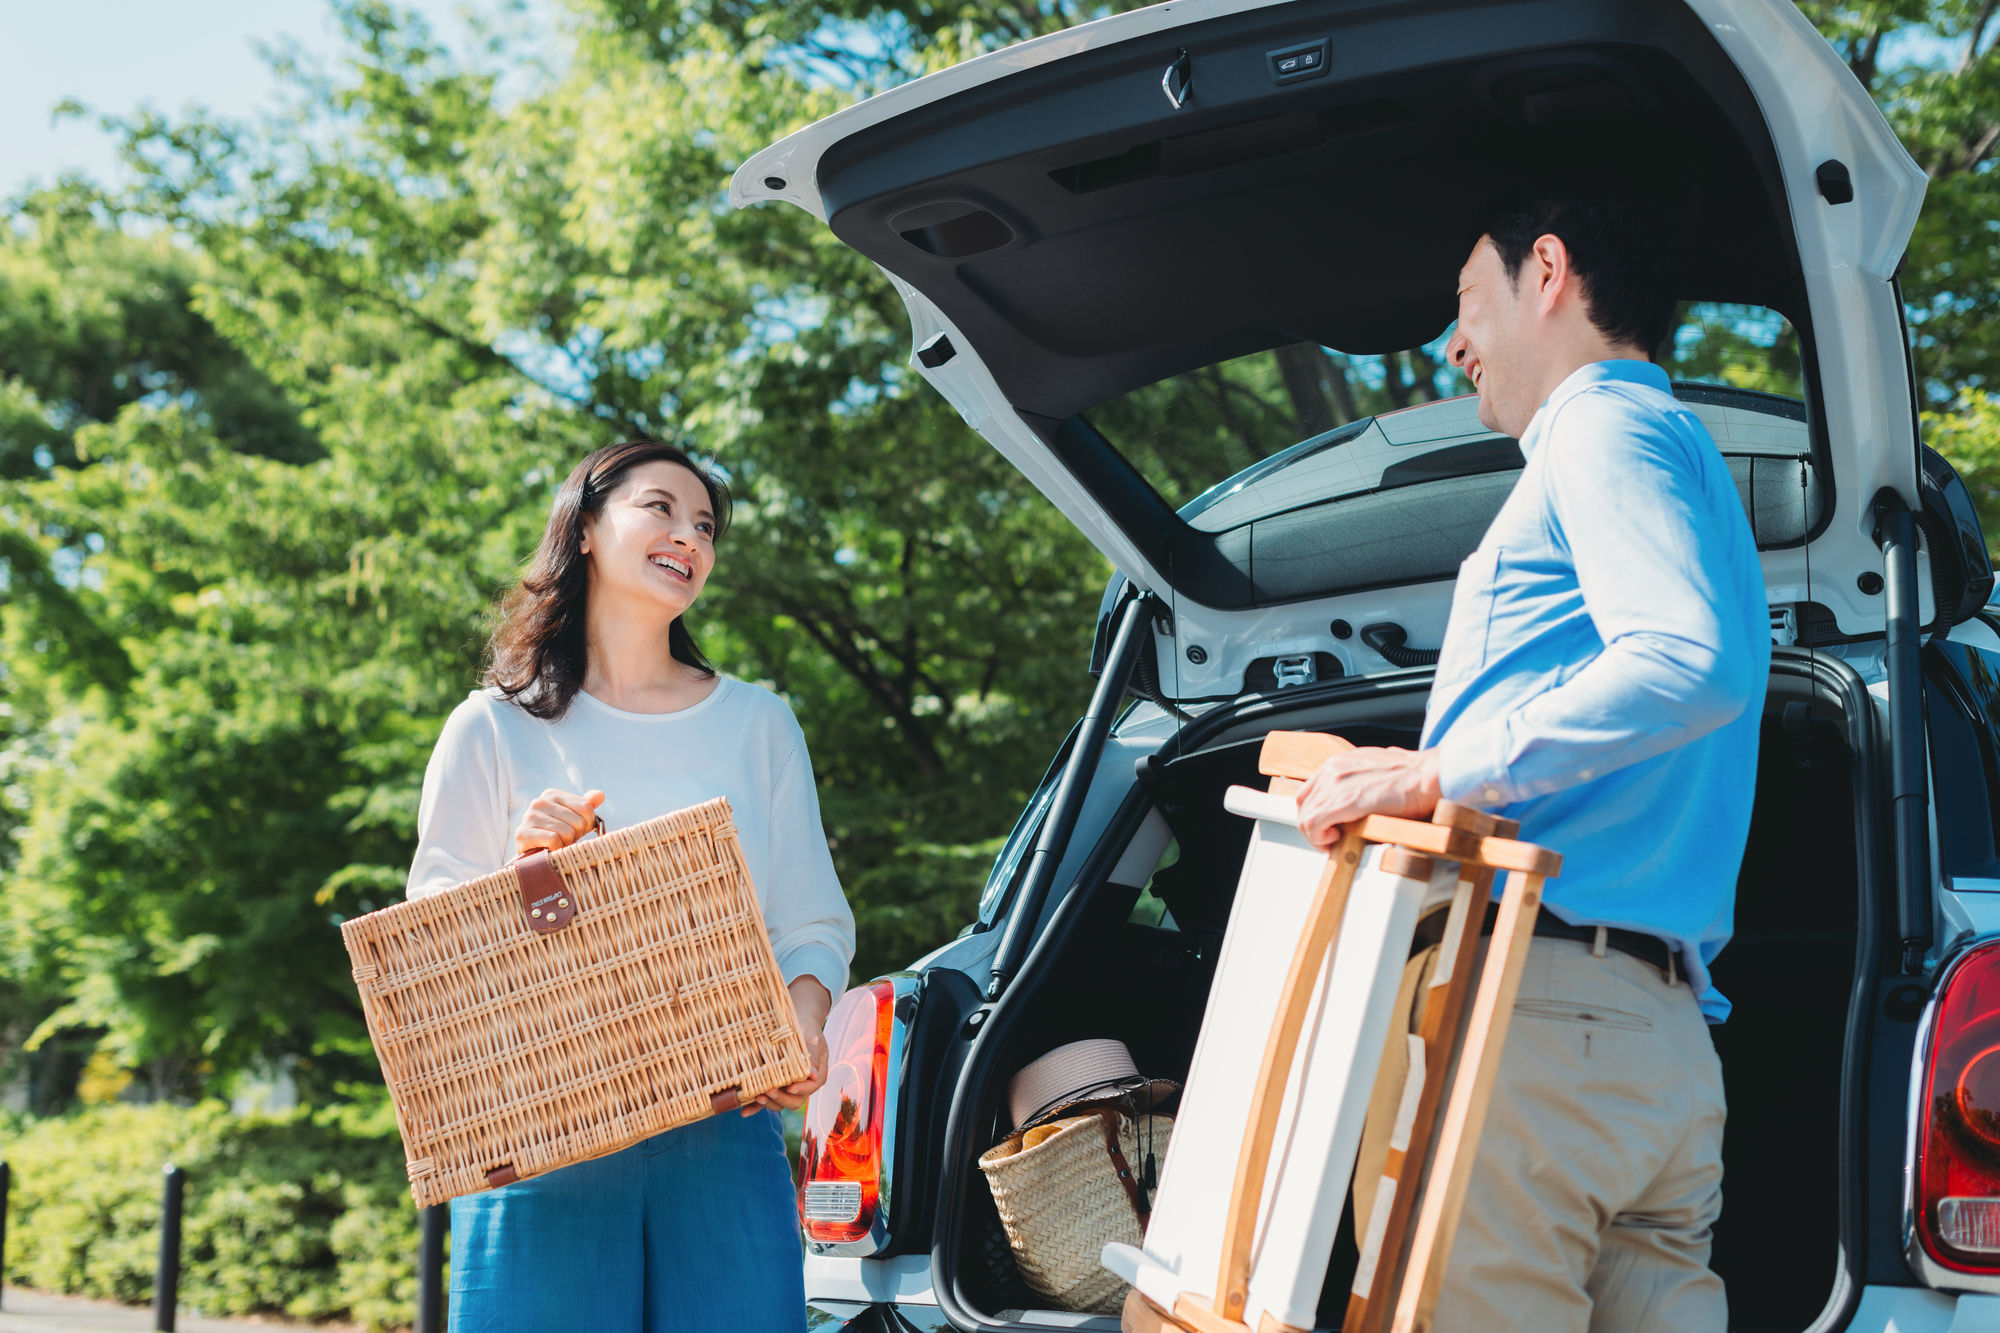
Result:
283,1215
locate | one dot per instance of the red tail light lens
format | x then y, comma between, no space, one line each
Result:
1957,1202
842,1175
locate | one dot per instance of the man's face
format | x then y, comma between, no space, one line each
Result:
1493,340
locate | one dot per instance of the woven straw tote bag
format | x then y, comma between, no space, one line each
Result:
574,1003
1065,1189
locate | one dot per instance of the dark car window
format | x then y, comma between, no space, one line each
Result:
1963,704
1214,441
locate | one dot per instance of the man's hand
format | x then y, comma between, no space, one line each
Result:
811,1003
1362,782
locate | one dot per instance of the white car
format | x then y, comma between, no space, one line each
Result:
1173,264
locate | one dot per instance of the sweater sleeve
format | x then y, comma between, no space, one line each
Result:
811,925
462,822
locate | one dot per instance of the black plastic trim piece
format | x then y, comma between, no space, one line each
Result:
1834,678
1836,186
1896,533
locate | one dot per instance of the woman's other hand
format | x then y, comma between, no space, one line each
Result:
811,1002
557,819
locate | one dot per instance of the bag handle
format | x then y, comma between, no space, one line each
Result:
1108,1118
545,897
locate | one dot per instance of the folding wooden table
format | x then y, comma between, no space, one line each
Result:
1270,1121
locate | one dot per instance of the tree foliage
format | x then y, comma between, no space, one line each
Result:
281,416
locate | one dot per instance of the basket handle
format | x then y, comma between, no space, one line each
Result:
545,897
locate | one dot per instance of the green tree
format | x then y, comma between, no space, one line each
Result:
452,296
1933,66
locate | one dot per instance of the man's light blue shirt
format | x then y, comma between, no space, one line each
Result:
1603,673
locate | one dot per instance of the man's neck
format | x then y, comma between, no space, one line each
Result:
1566,360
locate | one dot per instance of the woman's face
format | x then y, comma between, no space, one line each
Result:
653,542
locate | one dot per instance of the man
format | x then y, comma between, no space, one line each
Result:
1601,680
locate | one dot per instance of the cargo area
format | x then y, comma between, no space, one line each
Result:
1139,936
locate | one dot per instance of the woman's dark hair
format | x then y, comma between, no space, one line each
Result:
538,651
1614,249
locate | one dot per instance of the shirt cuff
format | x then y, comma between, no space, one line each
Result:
815,960
1472,767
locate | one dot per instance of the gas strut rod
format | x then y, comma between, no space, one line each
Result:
1070,788
1909,795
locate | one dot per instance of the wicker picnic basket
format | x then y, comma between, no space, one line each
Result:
574,1003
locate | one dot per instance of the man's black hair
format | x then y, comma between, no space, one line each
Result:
1613,249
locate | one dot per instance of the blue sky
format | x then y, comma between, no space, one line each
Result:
170,55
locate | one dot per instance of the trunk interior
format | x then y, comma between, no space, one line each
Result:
1137,961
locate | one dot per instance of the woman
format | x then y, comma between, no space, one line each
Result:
600,705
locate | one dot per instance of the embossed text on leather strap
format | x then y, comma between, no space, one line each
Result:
544,897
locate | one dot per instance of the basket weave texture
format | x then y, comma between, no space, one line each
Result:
511,1051
1060,1202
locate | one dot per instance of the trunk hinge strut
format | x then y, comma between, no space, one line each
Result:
1134,623
1909,790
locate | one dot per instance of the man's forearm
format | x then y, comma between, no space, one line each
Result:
1645,694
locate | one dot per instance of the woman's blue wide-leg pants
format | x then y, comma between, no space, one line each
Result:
694,1229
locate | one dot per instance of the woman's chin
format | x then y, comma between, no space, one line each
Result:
653,601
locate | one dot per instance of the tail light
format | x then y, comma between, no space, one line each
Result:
1956,1173
850,1124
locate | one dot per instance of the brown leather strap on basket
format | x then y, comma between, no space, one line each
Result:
725,1101
544,897
1109,1120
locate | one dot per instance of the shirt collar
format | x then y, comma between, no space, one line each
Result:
1621,371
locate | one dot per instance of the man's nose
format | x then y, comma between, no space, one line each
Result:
1457,350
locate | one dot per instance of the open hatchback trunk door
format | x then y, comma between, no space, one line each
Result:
1154,194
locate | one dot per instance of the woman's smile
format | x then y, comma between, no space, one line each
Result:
674,565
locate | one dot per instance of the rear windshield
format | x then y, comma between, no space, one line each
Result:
1302,424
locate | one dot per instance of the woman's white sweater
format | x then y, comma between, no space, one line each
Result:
494,758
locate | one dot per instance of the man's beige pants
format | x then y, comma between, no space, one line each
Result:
1599,1174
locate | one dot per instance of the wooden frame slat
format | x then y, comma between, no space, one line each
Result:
1471,1093
1426,1184
1232,1283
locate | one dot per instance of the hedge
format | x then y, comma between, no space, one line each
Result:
283,1215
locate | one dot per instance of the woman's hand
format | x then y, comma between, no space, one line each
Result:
810,1001
557,819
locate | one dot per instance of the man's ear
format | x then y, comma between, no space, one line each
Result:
1549,265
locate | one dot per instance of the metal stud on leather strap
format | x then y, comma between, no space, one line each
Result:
543,893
